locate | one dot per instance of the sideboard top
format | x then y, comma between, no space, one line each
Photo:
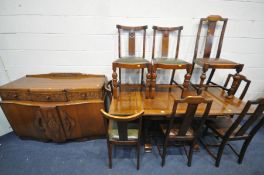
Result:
57,81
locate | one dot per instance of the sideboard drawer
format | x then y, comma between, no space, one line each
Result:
83,95
15,95
48,96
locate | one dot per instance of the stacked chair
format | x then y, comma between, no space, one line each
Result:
208,61
131,61
164,62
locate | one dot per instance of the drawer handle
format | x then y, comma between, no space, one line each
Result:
48,97
15,96
84,95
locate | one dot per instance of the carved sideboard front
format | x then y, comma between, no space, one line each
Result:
56,106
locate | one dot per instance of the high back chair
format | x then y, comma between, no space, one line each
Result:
123,130
131,61
182,132
164,61
208,61
243,128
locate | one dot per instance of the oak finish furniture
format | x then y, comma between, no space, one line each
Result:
210,62
121,131
242,78
56,106
131,61
243,128
181,131
163,61
130,102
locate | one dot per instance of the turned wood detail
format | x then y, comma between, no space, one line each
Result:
187,78
114,76
236,82
203,77
153,83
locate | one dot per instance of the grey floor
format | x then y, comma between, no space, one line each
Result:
90,157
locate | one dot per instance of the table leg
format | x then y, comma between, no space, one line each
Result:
114,76
147,140
236,80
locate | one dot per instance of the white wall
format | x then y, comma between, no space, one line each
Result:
80,35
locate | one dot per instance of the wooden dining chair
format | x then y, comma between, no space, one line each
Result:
241,79
163,61
182,131
131,61
243,128
123,130
208,61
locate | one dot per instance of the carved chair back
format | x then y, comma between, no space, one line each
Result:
166,31
240,80
131,39
192,104
211,23
253,122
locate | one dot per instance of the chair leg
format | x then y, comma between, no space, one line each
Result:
119,72
172,76
243,150
110,154
164,152
210,76
220,153
138,155
190,154
142,74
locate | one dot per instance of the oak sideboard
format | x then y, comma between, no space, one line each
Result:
55,106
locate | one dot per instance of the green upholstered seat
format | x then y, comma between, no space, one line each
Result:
131,60
169,61
132,131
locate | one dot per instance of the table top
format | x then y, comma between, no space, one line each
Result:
133,101
56,81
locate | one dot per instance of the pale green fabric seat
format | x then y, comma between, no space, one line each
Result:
132,131
132,60
169,61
